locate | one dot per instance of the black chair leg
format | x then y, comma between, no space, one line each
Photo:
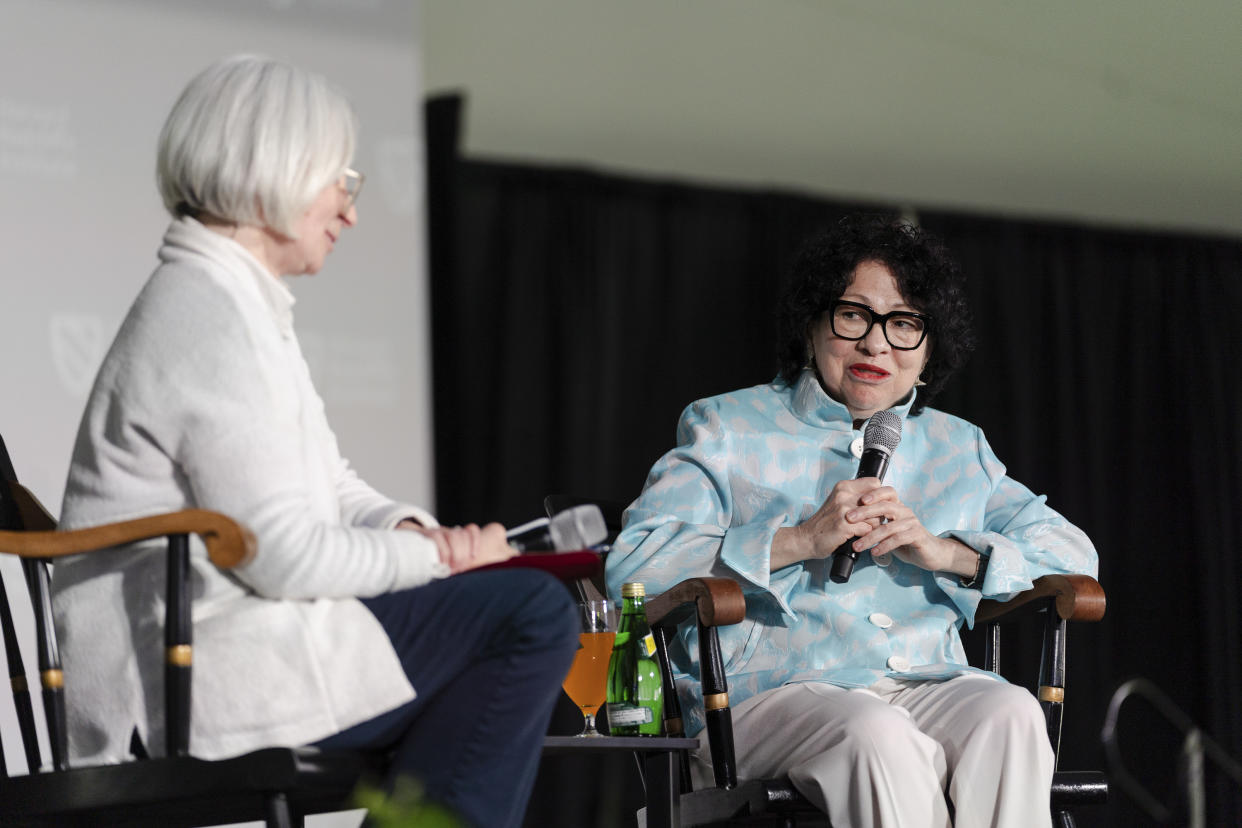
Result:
278,813
1063,819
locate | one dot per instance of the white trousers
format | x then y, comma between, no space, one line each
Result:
890,754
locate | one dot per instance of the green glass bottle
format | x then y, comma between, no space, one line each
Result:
635,701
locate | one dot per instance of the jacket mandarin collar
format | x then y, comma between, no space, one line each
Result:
813,406
187,238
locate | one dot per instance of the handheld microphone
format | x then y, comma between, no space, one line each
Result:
880,440
574,528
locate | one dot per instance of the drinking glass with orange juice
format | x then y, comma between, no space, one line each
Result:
587,682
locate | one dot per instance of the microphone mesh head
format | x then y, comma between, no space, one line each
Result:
883,431
577,528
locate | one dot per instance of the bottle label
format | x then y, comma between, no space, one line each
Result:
649,644
625,715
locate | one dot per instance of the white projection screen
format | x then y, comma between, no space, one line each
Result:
84,89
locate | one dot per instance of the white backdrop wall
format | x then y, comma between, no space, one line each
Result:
84,88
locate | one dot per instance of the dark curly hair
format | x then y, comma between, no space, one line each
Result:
927,277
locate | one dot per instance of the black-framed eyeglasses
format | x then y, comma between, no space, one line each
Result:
351,182
904,330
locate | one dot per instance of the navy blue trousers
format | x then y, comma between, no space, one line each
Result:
486,653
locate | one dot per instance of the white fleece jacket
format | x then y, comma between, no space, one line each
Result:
204,400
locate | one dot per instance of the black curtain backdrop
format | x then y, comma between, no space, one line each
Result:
575,314
1105,381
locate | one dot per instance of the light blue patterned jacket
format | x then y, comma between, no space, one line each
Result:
752,461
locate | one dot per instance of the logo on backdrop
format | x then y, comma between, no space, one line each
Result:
37,140
352,368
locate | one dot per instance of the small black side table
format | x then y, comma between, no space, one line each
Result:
660,767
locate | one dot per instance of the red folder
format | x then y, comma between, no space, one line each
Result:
568,566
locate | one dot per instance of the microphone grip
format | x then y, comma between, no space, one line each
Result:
533,536
542,543
843,562
874,464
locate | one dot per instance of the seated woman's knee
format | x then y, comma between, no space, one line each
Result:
546,605
876,730
1012,708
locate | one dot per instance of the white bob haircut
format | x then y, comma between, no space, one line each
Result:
252,140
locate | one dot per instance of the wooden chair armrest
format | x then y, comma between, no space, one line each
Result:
1077,598
718,601
229,544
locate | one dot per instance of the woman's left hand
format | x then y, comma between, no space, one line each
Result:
905,536
466,547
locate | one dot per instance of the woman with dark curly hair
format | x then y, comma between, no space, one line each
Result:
859,690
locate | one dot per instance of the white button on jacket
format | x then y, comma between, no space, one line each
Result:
880,620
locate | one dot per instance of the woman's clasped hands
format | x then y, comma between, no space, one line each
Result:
466,547
876,518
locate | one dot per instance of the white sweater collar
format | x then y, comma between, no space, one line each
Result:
186,239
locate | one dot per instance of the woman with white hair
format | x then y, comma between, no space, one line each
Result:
340,631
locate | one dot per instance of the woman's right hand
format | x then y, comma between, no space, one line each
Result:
820,534
467,547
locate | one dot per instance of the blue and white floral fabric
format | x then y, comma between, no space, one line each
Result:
752,461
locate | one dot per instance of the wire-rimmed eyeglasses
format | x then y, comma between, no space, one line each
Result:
904,330
351,182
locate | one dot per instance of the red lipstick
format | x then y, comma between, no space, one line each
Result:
865,371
